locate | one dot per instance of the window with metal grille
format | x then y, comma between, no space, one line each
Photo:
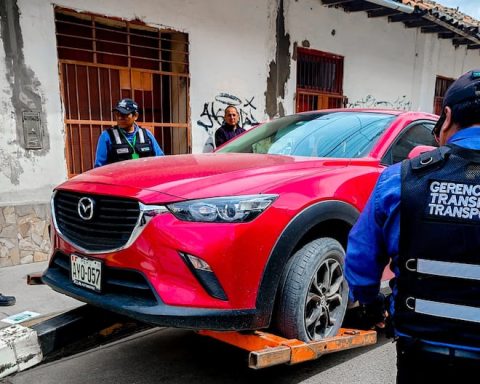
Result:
102,60
319,80
441,86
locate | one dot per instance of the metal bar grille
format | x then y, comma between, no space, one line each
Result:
105,40
310,101
319,71
319,80
103,60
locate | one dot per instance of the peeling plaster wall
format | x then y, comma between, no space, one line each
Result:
29,82
279,67
383,60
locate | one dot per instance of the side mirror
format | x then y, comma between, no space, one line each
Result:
419,149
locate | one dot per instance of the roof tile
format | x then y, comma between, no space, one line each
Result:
451,15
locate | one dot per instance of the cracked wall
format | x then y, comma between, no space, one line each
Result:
279,68
25,93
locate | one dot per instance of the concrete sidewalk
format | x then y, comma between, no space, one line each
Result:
19,345
36,298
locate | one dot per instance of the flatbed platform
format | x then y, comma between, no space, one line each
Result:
266,349
86,327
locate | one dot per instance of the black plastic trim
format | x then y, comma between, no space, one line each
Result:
159,314
286,243
207,279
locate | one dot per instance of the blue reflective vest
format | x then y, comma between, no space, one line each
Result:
122,149
438,279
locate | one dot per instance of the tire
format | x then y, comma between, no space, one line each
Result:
313,293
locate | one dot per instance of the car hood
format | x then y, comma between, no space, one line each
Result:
170,178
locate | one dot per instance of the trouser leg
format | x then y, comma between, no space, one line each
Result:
408,371
415,365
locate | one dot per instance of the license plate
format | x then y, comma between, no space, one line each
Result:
86,272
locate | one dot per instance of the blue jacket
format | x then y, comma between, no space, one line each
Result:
104,146
374,239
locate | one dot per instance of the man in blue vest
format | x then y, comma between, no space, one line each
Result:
126,140
424,218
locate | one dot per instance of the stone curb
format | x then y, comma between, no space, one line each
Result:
19,349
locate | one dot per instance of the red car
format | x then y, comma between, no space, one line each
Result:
251,236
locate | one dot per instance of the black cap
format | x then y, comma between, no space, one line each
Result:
126,106
466,87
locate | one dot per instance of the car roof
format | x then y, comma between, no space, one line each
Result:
395,112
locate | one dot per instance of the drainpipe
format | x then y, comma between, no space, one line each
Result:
393,5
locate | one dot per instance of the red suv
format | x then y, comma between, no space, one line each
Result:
251,236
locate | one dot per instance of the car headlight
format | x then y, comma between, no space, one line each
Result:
229,209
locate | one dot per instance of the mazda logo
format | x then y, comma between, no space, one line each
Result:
85,208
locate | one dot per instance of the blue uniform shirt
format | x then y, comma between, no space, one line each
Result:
374,239
104,145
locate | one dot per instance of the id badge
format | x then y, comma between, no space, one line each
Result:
135,156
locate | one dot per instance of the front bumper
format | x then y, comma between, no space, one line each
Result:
143,304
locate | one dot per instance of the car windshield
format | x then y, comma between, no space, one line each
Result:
326,134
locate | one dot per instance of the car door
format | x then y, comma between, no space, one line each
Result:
415,134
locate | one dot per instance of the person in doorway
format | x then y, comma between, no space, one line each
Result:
230,127
6,300
126,140
424,218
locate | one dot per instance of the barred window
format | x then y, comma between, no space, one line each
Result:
319,80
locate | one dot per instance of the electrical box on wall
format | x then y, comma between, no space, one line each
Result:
32,130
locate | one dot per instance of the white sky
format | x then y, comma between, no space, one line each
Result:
469,7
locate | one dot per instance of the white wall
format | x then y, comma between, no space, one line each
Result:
29,175
231,46
384,62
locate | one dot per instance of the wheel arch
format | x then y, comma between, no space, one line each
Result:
332,218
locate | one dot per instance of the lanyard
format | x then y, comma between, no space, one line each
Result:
135,155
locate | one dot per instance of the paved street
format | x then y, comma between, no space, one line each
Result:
176,356
170,355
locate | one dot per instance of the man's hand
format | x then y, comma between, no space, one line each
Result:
367,316
374,314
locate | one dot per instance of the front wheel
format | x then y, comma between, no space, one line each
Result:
313,293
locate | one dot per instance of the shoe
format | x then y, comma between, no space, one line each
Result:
6,300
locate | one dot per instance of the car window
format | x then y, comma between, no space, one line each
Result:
331,134
414,135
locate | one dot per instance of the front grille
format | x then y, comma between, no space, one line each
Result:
117,281
109,228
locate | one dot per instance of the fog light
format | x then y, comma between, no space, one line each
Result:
199,263
205,276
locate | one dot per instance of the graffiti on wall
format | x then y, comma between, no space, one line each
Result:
211,117
369,101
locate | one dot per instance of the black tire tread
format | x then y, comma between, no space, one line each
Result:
293,283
